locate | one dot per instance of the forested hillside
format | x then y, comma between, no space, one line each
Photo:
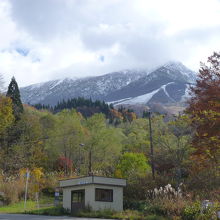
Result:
87,108
56,144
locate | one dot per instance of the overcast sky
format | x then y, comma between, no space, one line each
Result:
50,39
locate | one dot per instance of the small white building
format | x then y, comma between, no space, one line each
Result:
93,191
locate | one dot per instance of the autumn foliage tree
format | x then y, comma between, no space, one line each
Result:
6,113
204,108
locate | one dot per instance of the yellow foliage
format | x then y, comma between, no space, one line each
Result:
118,173
37,173
22,172
6,113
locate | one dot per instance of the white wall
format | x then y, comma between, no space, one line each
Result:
116,205
67,195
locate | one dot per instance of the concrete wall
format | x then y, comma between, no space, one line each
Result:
67,195
116,205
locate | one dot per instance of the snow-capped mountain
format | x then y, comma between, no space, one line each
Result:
167,84
187,74
90,87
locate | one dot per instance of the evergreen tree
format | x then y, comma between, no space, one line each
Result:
14,93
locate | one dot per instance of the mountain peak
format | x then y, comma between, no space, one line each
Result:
177,66
174,63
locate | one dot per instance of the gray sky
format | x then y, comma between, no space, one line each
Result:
49,39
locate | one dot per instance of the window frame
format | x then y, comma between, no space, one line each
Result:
80,196
103,189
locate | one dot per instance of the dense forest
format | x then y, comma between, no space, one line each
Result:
90,107
55,143
87,108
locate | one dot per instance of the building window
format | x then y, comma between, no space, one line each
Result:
104,195
78,196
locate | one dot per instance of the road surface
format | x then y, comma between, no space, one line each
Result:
40,217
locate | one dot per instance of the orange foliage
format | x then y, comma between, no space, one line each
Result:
204,108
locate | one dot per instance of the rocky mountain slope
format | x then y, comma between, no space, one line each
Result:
167,84
90,87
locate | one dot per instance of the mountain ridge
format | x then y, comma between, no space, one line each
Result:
167,84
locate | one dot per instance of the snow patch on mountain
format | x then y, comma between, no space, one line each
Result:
118,101
187,95
165,91
142,99
57,83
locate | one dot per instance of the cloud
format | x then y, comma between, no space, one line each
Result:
48,39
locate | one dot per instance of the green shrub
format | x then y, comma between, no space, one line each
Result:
48,191
209,213
134,205
107,213
53,211
191,211
155,217
156,209
194,212
207,216
129,214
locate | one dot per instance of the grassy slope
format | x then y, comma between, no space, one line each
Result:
47,208
18,207
45,202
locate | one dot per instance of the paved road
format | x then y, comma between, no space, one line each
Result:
39,217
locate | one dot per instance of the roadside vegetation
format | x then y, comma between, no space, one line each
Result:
31,205
52,145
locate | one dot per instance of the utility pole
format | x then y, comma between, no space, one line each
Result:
90,162
90,159
151,147
80,158
27,174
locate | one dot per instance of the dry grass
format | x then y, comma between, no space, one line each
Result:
6,186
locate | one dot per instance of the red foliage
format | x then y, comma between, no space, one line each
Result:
204,108
64,163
